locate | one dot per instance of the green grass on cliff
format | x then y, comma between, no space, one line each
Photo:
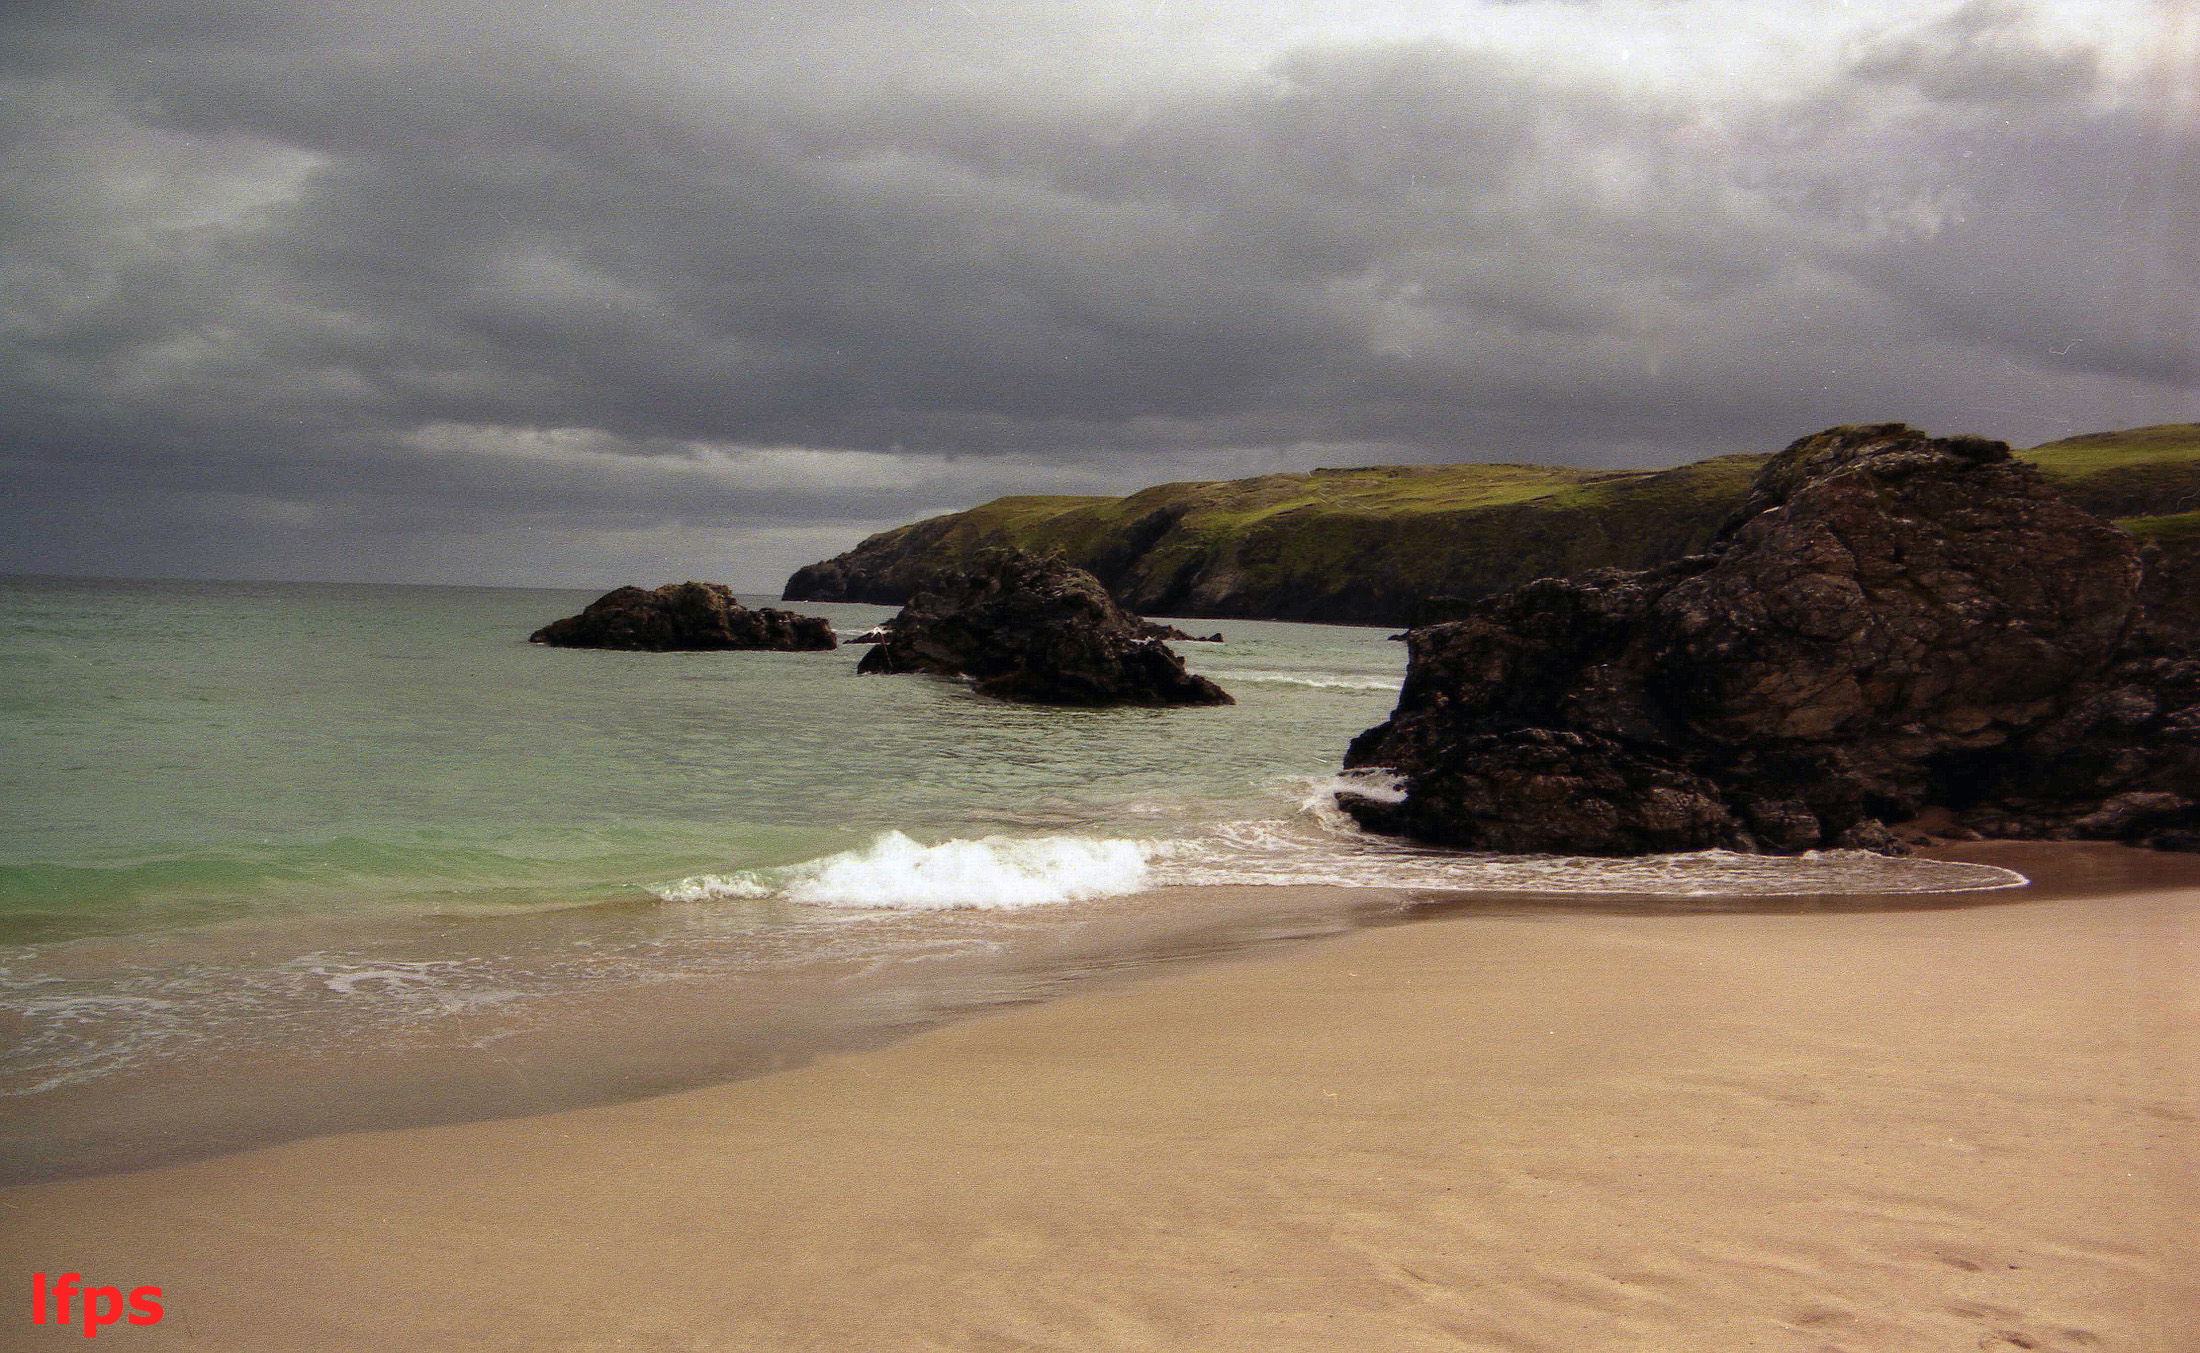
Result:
2140,472
1387,490
2095,451
2180,532
2152,464
1234,505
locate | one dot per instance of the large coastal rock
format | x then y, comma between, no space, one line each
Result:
684,616
1888,623
1033,628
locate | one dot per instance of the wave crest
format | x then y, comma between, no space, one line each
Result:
897,872
1324,681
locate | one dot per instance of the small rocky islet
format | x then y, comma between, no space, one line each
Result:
1033,628
685,617
1155,629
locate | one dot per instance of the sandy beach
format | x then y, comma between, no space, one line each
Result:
1567,1132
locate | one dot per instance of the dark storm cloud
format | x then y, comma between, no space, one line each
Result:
432,292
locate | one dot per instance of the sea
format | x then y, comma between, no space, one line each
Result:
280,859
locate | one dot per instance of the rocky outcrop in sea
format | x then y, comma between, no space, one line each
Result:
684,616
1889,626
1154,629
1036,629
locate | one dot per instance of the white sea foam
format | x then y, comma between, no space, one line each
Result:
74,1037
711,888
896,872
1327,681
352,979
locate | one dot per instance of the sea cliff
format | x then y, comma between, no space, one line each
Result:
1396,545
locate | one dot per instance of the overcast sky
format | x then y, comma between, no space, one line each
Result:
620,291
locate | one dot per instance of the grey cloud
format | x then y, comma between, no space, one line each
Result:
1984,52
260,255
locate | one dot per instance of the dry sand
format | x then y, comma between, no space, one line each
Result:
1904,1130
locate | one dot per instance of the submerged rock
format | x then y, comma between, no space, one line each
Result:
684,616
1888,623
1154,629
1033,628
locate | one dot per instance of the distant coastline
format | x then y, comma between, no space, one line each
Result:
1402,545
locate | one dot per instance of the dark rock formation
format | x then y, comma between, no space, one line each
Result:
1032,628
2172,596
683,616
1887,624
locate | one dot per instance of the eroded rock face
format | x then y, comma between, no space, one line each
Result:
684,616
1033,628
1888,623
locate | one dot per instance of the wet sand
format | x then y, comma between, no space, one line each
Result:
627,1002
1566,1129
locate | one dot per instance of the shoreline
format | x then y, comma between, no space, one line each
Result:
686,1000
302,1027
1498,1127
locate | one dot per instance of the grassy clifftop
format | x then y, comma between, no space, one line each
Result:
1395,544
2142,472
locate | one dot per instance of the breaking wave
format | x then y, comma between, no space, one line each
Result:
896,872
1373,683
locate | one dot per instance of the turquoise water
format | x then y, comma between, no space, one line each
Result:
177,753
